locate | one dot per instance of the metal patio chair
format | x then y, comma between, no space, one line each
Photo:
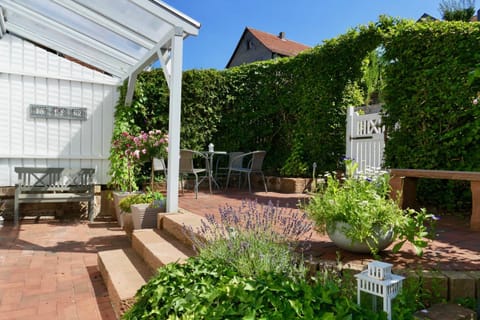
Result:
159,165
254,165
187,167
221,171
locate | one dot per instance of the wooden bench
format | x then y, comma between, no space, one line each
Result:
405,182
54,185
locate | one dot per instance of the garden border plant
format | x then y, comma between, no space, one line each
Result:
361,203
238,275
228,280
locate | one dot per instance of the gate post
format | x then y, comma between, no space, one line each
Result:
350,132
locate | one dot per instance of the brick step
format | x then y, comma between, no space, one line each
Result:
123,272
158,247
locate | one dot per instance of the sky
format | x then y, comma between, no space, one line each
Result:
305,21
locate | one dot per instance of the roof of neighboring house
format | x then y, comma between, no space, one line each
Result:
275,43
427,17
278,44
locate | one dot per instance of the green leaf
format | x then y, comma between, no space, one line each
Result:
398,246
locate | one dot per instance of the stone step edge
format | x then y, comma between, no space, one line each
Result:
123,272
174,224
158,248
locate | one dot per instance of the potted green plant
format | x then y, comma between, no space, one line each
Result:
141,210
128,152
358,214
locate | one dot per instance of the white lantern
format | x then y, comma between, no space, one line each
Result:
379,281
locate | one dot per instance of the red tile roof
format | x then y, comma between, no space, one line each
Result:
277,45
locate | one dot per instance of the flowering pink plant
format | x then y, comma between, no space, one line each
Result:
141,148
476,99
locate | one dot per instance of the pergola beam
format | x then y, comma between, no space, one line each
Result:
170,15
3,28
146,61
165,61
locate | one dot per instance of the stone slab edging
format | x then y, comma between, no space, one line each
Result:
448,285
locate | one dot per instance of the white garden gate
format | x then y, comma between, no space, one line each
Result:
365,139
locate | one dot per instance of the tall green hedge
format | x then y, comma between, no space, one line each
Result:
294,108
429,115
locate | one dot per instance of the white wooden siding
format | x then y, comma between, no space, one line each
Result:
31,75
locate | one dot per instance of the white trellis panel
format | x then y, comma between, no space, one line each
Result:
32,75
365,139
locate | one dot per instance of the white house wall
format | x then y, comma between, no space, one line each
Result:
31,75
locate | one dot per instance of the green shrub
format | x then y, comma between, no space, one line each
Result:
209,289
246,269
294,108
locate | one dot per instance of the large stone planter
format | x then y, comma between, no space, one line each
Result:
144,217
119,214
117,196
380,241
127,223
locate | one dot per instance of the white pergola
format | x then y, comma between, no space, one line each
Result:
119,37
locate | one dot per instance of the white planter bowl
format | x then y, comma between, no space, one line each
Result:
337,235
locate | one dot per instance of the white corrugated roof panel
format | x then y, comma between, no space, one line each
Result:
118,36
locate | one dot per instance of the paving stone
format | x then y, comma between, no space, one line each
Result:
447,311
476,276
434,282
461,285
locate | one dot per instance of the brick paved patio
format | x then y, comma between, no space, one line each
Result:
48,268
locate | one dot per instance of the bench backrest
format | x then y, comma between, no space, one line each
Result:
55,179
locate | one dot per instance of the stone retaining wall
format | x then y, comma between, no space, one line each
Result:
446,285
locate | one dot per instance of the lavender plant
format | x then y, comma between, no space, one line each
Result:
255,239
